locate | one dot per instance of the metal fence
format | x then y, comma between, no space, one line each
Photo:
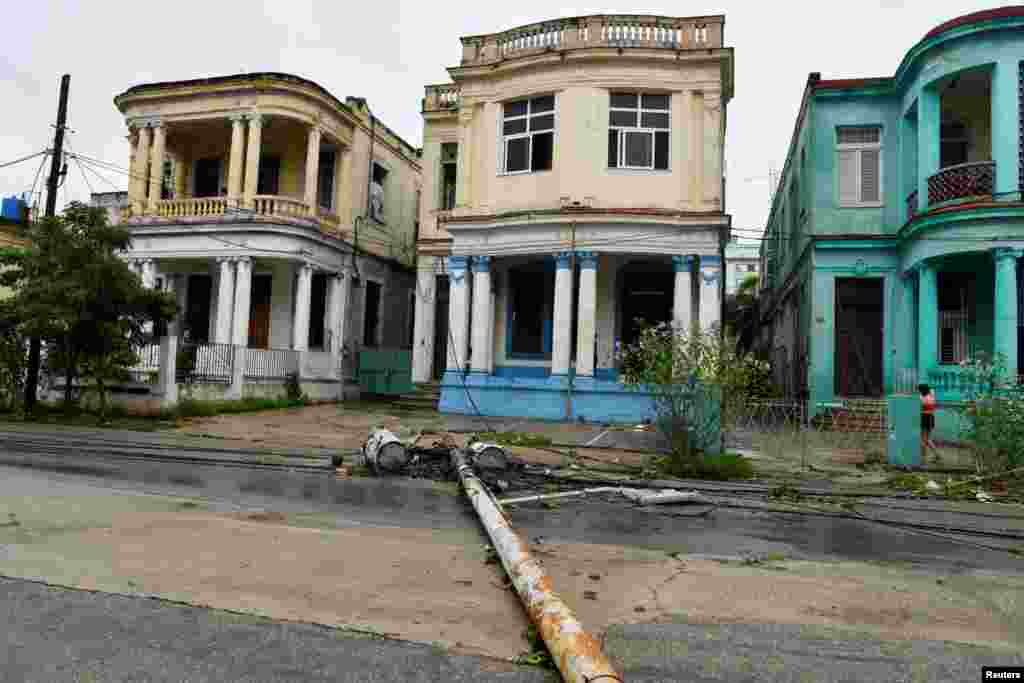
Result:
786,434
270,363
205,362
147,370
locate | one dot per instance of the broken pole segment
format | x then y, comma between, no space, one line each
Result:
576,653
384,451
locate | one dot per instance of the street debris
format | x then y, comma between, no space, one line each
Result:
576,653
663,497
385,452
488,456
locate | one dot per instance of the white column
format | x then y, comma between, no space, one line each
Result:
587,324
235,160
148,273
481,312
338,310
312,167
156,166
490,333
141,165
682,300
561,347
300,328
425,319
458,313
243,299
710,275
225,301
252,159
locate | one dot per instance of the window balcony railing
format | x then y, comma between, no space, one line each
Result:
441,98
963,181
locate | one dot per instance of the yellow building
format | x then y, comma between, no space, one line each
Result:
573,183
282,216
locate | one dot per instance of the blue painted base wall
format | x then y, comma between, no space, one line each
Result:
544,398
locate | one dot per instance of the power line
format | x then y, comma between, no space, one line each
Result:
29,157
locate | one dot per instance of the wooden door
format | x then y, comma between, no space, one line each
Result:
259,312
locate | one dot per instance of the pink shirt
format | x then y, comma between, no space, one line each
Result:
928,403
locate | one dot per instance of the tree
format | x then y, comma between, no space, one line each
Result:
741,314
74,291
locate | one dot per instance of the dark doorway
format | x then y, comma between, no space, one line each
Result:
371,315
197,312
267,182
259,312
860,325
441,328
317,310
207,177
531,290
646,294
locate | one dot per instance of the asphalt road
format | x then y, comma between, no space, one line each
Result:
53,635
422,504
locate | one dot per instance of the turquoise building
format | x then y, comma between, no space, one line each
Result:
892,251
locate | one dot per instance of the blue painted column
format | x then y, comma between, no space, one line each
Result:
908,162
927,320
480,328
927,142
1005,331
1005,125
906,351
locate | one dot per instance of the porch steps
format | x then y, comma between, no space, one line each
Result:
426,396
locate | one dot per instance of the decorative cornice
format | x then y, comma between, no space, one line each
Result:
256,119
1006,254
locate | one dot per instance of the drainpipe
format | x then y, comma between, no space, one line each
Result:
575,652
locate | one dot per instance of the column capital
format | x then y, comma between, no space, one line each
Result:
1004,253
256,119
481,264
242,259
710,261
588,260
457,264
682,264
225,259
238,118
563,259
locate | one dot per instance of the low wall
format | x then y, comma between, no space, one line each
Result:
550,398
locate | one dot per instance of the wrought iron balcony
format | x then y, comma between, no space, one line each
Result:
963,181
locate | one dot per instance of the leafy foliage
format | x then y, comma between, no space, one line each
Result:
74,291
699,383
994,412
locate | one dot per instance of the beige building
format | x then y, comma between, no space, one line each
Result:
283,217
572,183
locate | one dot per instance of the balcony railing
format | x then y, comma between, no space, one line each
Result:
205,362
187,208
270,363
271,205
616,30
441,97
975,179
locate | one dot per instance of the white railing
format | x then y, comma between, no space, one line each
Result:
611,30
186,208
272,205
270,363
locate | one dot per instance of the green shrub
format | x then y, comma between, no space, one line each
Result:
723,467
292,387
193,408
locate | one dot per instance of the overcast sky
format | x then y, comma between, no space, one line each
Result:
387,50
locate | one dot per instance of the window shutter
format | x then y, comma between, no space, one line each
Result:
847,167
869,185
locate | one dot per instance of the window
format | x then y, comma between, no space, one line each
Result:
167,180
956,296
859,164
449,174
317,311
325,179
377,192
528,135
953,144
638,131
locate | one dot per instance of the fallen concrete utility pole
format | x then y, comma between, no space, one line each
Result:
563,494
664,497
575,652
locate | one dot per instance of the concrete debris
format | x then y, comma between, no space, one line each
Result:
663,497
564,494
385,452
932,486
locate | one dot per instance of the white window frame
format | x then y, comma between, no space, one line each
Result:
859,148
639,110
528,134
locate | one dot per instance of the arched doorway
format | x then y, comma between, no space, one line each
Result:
645,296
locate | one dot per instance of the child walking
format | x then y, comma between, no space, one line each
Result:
927,423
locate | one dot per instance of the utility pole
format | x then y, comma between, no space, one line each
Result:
35,345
